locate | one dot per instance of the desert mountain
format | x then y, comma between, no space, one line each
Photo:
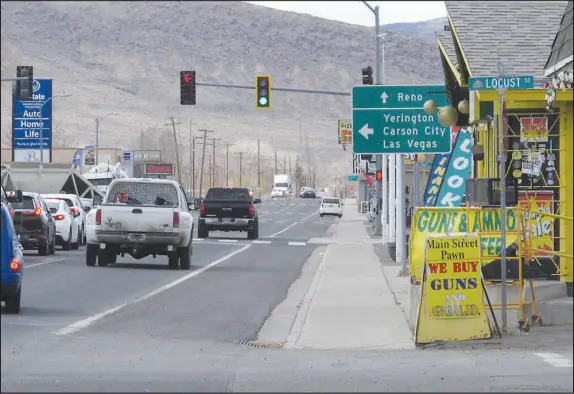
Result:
126,57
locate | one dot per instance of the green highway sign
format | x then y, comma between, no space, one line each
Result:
352,178
391,119
495,83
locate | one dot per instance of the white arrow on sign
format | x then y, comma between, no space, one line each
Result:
365,131
384,97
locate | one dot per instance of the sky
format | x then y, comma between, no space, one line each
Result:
356,12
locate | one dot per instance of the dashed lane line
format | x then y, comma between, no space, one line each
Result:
555,359
81,324
47,261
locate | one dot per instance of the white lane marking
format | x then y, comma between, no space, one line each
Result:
297,243
81,324
555,359
282,231
44,262
261,242
227,240
277,221
198,239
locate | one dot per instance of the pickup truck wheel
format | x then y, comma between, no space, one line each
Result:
202,231
105,257
173,260
253,234
185,256
91,254
13,302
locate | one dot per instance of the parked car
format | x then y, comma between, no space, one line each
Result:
75,205
34,223
331,206
67,233
11,263
17,193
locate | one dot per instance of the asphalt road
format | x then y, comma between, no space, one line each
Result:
137,326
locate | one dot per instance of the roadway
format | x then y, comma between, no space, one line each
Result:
138,326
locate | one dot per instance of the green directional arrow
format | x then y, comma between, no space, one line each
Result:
399,131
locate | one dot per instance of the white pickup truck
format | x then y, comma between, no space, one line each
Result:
140,217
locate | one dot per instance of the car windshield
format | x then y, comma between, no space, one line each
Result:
331,201
236,194
27,203
143,193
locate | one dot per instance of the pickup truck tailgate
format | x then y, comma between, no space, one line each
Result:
226,209
137,219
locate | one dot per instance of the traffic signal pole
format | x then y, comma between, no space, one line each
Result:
379,157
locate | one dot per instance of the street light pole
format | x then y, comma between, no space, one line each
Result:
98,120
379,157
42,126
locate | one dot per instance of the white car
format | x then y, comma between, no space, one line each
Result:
277,193
75,205
67,232
331,206
87,204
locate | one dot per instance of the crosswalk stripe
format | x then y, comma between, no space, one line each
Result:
297,243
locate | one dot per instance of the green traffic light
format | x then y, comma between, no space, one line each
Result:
262,101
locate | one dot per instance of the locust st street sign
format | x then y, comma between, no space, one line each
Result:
391,119
494,83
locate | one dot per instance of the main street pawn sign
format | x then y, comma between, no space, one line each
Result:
391,119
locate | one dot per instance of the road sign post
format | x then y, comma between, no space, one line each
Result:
502,83
391,120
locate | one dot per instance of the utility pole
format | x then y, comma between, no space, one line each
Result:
258,168
290,172
203,159
191,159
240,166
284,164
213,174
178,165
276,164
193,163
227,163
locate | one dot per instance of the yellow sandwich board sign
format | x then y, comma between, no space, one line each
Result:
428,222
451,306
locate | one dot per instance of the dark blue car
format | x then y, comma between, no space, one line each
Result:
11,264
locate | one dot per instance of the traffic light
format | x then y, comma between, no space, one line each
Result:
187,87
24,86
379,175
263,91
368,75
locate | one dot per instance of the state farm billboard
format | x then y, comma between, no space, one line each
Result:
159,169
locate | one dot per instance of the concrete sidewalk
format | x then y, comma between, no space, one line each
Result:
349,304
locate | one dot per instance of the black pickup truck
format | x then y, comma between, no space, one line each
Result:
228,209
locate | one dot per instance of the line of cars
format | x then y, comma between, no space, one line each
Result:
39,222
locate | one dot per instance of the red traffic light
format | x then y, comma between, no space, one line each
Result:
379,175
187,78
